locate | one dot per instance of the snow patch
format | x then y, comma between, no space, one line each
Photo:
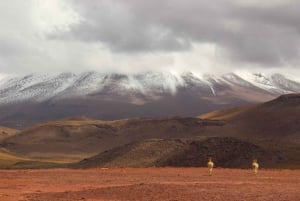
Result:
41,87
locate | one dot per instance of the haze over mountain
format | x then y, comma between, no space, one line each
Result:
26,100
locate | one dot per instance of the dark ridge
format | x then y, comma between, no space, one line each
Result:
78,118
226,152
137,154
289,97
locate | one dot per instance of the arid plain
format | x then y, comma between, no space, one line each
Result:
144,184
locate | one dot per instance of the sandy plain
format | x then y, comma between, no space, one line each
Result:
145,184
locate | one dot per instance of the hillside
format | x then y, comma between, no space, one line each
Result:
7,159
226,114
137,154
273,126
269,132
276,119
77,138
11,161
226,152
6,132
31,99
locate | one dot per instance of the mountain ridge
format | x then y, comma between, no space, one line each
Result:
43,87
31,99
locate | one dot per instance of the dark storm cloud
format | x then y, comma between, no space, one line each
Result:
270,35
123,29
135,35
266,34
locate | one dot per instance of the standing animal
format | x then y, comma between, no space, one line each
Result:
255,166
210,165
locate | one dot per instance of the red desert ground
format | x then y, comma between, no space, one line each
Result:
144,184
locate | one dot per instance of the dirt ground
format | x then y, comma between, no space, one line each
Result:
145,184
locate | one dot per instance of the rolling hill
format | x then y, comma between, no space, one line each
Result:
7,160
227,152
78,138
7,132
268,129
276,119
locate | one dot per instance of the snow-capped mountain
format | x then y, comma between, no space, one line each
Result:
29,99
146,87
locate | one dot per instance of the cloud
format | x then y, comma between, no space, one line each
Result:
122,29
134,35
246,31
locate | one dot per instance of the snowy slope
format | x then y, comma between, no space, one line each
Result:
274,83
150,85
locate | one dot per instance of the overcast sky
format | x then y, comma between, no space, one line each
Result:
140,35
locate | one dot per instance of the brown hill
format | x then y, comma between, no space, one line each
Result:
274,126
226,152
226,114
276,119
137,154
81,138
7,159
7,132
11,161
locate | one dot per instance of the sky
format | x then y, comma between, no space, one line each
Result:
133,36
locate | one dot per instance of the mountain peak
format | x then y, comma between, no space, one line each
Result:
150,85
114,96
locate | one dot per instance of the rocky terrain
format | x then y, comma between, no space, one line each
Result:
226,152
